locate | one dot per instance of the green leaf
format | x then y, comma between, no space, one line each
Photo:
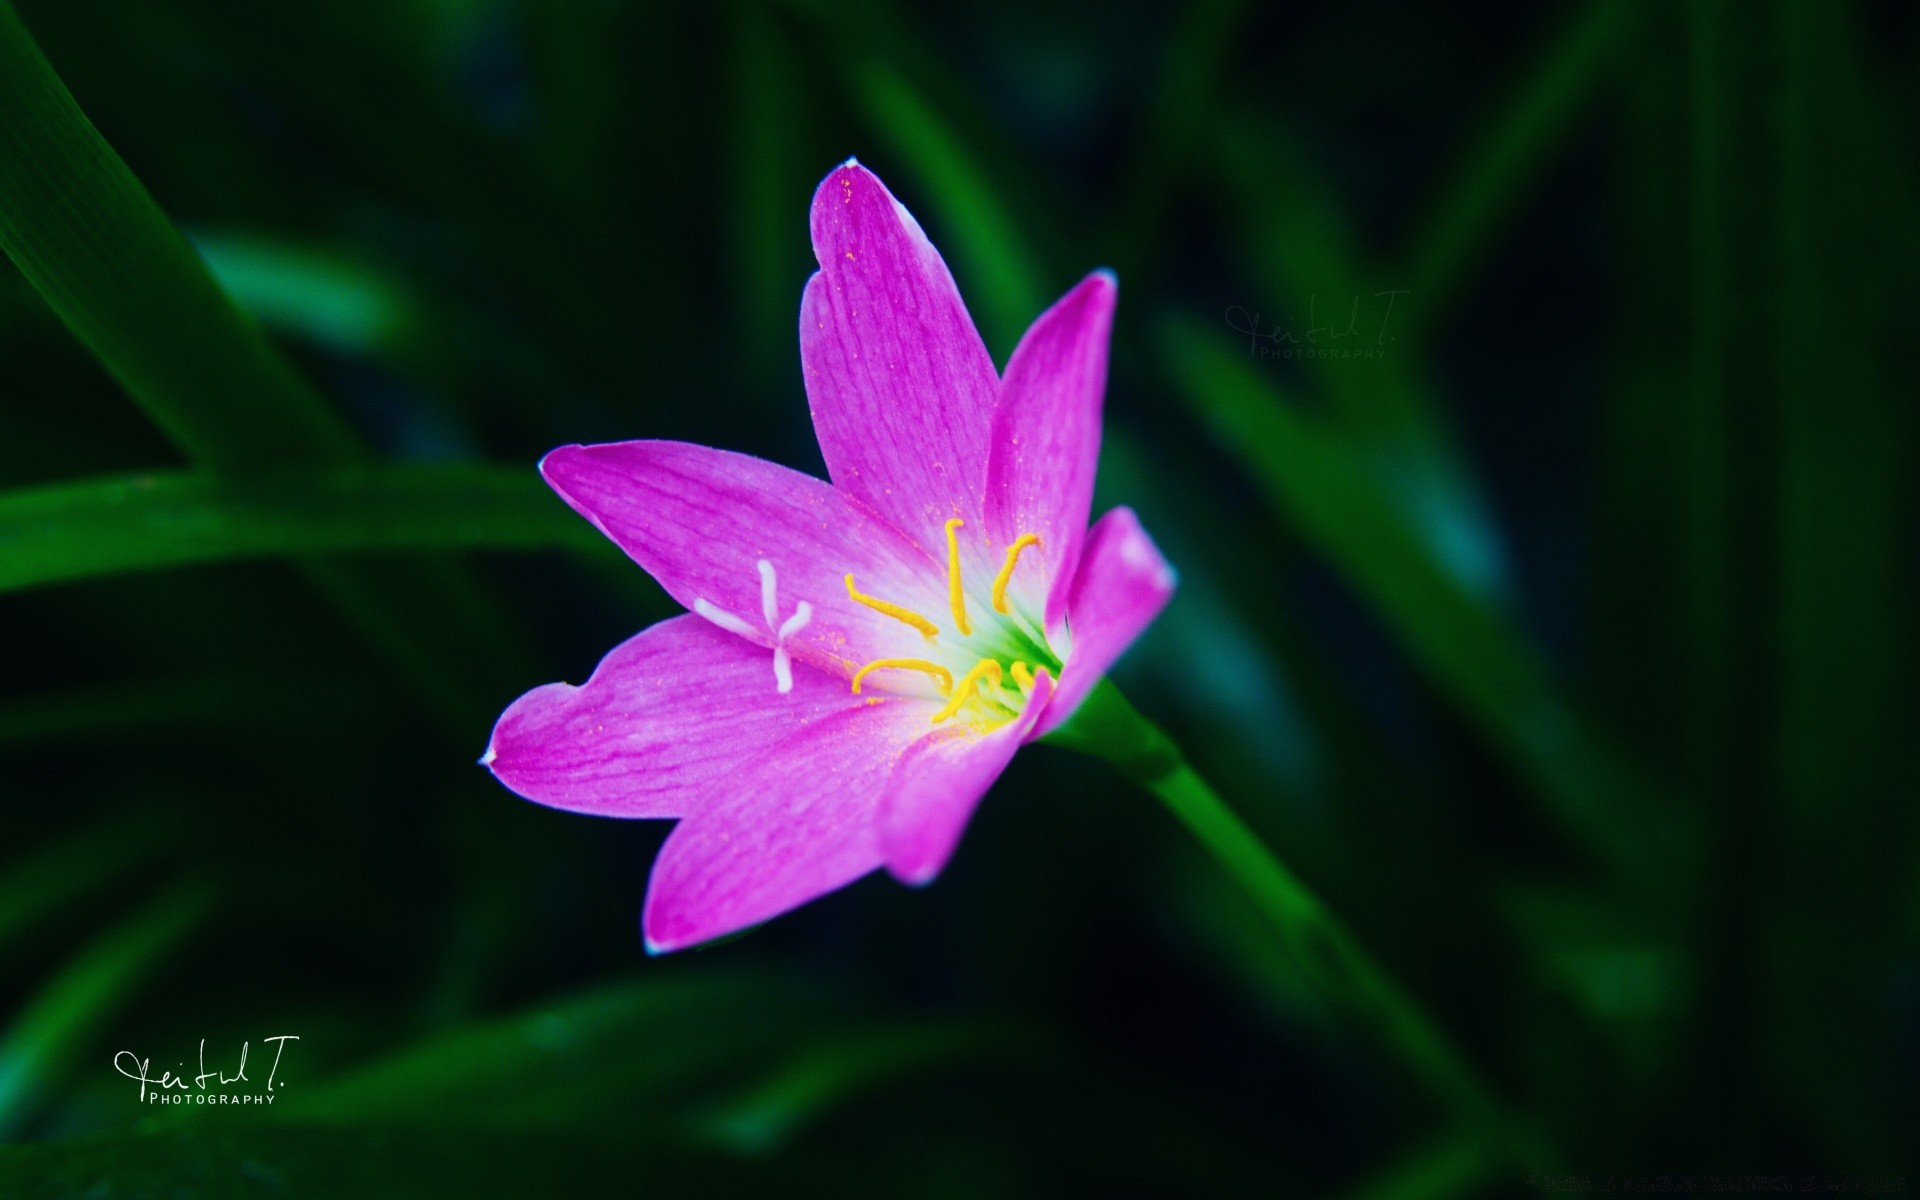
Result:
103,979
1509,153
101,527
603,1057
312,292
1321,484
91,240
1324,291
89,860
825,1075
414,1159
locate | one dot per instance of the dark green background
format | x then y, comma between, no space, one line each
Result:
1563,640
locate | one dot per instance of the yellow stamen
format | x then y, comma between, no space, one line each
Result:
1005,576
955,597
892,610
1022,676
943,676
964,693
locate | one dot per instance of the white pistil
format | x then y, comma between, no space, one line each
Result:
798,621
724,619
770,609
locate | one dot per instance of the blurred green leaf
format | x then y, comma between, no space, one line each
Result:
318,294
1324,290
102,980
1321,485
217,701
58,873
604,1057
1509,151
143,522
1455,1166
89,238
404,1160
823,1076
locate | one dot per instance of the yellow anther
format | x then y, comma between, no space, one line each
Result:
1022,676
964,693
1005,576
943,676
892,610
955,597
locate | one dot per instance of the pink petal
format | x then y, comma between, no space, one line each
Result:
701,521
939,783
1046,438
789,825
1120,587
668,713
901,386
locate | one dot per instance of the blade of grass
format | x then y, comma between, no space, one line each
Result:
218,702
1108,727
100,527
326,297
1190,71
823,1076
101,981
91,240
1320,484
58,874
1289,227
1453,1166
1510,152
88,237
1843,638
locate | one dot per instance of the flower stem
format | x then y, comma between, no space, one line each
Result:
1108,727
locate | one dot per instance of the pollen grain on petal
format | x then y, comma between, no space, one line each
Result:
1005,576
898,613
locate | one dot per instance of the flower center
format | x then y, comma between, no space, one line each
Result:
1000,690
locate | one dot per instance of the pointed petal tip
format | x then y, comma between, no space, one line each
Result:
557,458
917,875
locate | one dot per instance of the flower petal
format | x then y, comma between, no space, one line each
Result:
1046,438
786,827
900,384
702,520
1120,587
665,715
938,784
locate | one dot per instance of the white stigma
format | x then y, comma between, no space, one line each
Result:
779,630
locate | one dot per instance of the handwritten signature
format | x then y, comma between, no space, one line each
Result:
158,1089
1243,322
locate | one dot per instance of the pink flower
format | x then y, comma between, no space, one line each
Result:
860,659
